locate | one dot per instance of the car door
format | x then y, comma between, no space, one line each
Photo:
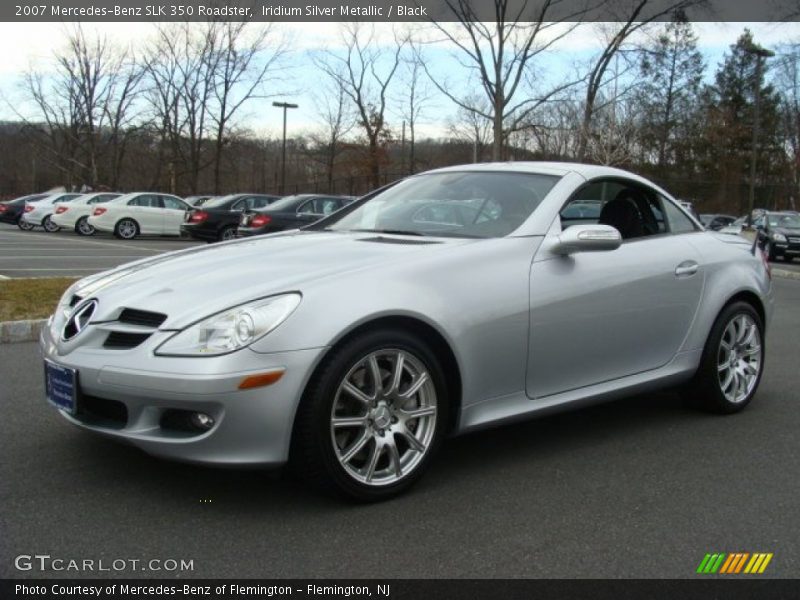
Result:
309,212
600,316
144,210
173,214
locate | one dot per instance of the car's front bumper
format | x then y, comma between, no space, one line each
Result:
127,395
789,248
33,218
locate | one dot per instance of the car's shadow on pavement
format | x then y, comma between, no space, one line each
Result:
488,457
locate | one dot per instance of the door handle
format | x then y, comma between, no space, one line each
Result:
686,268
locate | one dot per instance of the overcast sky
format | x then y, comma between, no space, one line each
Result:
27,45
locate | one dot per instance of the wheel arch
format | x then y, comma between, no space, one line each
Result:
427,334
751,298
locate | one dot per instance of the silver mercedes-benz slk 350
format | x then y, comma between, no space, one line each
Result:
449,301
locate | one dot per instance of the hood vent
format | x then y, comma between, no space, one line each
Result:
400,241
133,316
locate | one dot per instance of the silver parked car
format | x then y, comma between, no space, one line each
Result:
453,300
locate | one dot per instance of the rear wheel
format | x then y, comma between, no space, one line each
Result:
372,419
227,233
49,226
24,225
733,361
126,229
82,227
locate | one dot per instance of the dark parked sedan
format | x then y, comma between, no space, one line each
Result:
11,211
779,235
218,218
291,212
716,222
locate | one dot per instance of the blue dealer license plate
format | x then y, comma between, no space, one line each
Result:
60,385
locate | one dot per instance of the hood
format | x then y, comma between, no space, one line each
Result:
787,231
191,284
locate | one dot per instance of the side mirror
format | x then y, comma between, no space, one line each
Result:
587,238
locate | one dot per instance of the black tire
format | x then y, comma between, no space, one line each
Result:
313,456
126,229
49,226
82,227
226,233
24,225
706,389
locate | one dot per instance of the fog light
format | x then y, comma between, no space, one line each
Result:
201,421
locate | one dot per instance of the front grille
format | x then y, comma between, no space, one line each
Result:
146,318
120,340
794,240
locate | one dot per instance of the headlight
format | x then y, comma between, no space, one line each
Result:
232,329
778,237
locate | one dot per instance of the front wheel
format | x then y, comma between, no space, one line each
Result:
372,419
732,362
126,229
49,226
82,227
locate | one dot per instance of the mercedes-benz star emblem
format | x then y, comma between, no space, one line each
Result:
79,319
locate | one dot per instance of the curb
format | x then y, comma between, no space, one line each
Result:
21,331
28,331
784,274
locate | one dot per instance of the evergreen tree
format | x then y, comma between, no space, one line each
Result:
729,108
672,74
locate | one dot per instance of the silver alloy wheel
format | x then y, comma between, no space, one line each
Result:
24,225
83,226
49,226
126,229
383,418
228,233
739,358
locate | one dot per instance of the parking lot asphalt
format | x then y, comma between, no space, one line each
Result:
642,487
65,254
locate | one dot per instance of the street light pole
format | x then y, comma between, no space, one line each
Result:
284,106
761,55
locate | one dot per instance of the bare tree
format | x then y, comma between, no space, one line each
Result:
470,126
631,16
337,120
416,98
84,109
180,65
787,81
242,68
364,71
501,56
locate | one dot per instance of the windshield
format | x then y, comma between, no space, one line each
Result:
464,204
789,221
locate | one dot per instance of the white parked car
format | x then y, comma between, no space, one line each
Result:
75,215
140,213
40,212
